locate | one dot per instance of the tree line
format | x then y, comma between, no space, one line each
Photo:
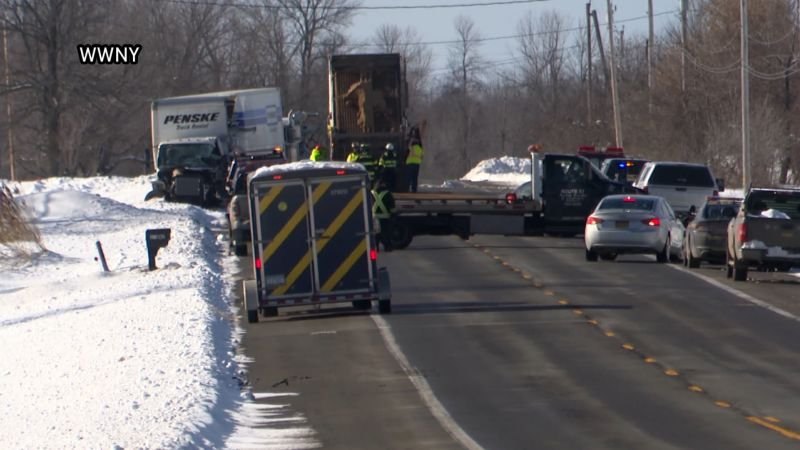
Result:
71,119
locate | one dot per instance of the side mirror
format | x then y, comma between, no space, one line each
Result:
720,184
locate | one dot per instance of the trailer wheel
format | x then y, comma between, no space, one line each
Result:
240,250
252,316
401,235
385,306
250,297
362,304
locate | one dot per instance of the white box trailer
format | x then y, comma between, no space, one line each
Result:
195,137
313,239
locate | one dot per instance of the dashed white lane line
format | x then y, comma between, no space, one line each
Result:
739,294
423,388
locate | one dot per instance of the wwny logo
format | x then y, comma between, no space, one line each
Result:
109,53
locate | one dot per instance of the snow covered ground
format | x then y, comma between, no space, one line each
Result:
133,358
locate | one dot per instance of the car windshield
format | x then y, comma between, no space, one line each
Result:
186,155
682,175
629,203
714,211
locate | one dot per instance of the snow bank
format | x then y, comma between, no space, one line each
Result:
507,169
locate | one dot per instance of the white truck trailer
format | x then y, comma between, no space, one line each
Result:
195,137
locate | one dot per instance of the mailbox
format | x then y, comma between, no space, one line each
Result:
156,239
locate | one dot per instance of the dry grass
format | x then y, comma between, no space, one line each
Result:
19,239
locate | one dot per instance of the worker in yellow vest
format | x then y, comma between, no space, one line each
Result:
383,210
353,155
317,153
413,161
387,166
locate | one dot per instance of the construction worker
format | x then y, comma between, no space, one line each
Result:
413,161
366,159
383,210
317,153
353,155
388,166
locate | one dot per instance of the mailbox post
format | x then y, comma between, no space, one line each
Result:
156,239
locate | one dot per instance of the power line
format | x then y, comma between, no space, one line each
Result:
511,36
352,8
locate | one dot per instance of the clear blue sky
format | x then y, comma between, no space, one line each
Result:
495,21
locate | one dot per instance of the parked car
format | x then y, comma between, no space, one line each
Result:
707,230
624,170
640,224
683,185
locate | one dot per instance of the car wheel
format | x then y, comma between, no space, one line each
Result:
663,255
689,260
591,255
608,256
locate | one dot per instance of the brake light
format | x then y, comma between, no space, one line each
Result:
340,172
511,197
654,222
373,254
592,220
277,177
629,199
742,232
258,263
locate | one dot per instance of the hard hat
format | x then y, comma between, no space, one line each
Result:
390,146
354,145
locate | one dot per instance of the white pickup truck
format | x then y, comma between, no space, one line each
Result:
683,185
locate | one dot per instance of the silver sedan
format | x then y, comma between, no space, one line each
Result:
633,224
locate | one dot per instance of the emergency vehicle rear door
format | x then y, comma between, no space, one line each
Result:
341,231
283,239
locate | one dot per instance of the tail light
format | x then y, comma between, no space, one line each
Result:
654,222
258,263
743,232
373,254
592,220
511,198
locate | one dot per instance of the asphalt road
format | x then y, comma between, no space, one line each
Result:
517,343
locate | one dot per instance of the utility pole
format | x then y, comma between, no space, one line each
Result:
650,57
11,164
684,33
589,65
613,71
745,98
597,33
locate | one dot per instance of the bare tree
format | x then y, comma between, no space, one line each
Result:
392,39
465,64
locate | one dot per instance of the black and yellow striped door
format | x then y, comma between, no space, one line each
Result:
341,236
285,245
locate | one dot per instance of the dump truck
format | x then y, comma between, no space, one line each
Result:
313,239
195,137
367,104
562,191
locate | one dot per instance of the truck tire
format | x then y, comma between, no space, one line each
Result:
252,316
385,306
401,236
739,270
689,260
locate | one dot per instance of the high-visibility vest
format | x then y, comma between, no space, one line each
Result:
352,157
388,160
379,208
414,155
316,155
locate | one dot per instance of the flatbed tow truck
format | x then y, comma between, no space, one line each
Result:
562,192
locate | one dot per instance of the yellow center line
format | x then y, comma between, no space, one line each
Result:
784,431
